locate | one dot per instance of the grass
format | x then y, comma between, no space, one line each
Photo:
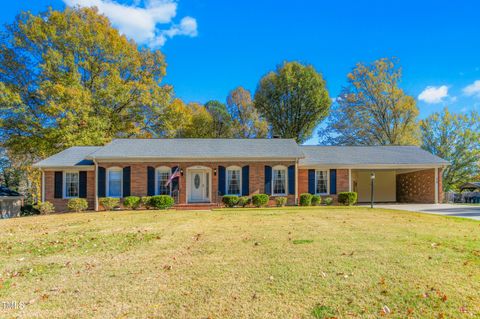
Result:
241,263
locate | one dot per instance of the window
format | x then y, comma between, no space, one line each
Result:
279,180
234,181
71,184
321,182
114,184
163,174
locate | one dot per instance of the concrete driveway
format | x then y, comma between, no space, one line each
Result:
465,211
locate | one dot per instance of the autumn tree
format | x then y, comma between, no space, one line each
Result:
455,138
200,124
294,100
247,123
70,78
222,120
372,109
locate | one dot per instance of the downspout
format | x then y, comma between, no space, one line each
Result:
350,180
96,184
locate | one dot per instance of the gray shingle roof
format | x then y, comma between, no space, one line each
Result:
368,155
200,148
71,157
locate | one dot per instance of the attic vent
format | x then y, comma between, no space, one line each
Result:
276,136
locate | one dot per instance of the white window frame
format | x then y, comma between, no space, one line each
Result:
277,168
328,181
227,181
162,169
109,170
64,186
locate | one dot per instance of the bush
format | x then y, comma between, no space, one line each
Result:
305,199
243,201
280,201
131,202
161,201
77,204
316,200
45,208
260,200
145,200
109,203
230,200
347,198
328,201
29,210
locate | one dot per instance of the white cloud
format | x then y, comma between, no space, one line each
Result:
473,89
142,23
434,94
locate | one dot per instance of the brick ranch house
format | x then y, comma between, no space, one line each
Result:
211,168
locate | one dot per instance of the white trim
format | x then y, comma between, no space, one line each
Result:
162,169
233,168
284,168
187,182
43,186
107,190
96,185
436,185
194,159
350,180
296,182
328,181
371,166
64,184
68,168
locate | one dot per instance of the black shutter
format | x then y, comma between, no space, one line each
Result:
245,180
101,182
58,191
333,181
151,181
82,181
268,180
221,180
291,179
126,181
175,183
311,181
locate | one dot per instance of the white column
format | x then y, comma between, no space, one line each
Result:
436,185
296,182
43,185
96,185
349,179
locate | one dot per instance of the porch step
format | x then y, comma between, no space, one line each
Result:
197,206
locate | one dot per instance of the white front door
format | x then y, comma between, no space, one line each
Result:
199,186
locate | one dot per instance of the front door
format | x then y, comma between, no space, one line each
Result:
199,186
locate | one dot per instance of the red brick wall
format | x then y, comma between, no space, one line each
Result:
440,186
60,203
139,176
342,182
418,187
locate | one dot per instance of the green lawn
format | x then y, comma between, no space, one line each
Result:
245,263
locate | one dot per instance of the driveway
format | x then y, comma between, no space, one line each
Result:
465,211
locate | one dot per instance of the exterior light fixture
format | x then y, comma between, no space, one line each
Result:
372,182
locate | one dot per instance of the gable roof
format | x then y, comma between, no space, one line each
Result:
6,192
199,148
71,157
369,156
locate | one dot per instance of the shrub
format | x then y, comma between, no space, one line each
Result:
28,210
280,201
131,202
305,199
45,208
77,204
260,200
316,200
161,201
243,201
145,200
230,200
328,201
109,203
347,198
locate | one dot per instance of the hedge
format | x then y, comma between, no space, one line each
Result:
280,201
109,203
230,200
243,201
347,198
132,202
260,200
77,204
305,199
316,200
161,201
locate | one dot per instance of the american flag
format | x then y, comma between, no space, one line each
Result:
175,174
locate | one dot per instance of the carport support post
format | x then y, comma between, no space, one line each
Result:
436,185
372,179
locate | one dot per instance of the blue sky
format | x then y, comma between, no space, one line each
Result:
213,46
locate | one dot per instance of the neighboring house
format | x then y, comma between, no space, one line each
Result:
211,168
10,203
470,187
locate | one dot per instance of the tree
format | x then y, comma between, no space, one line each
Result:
222,121
455,138
72,79
200,124
247,123
294,100
372,109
